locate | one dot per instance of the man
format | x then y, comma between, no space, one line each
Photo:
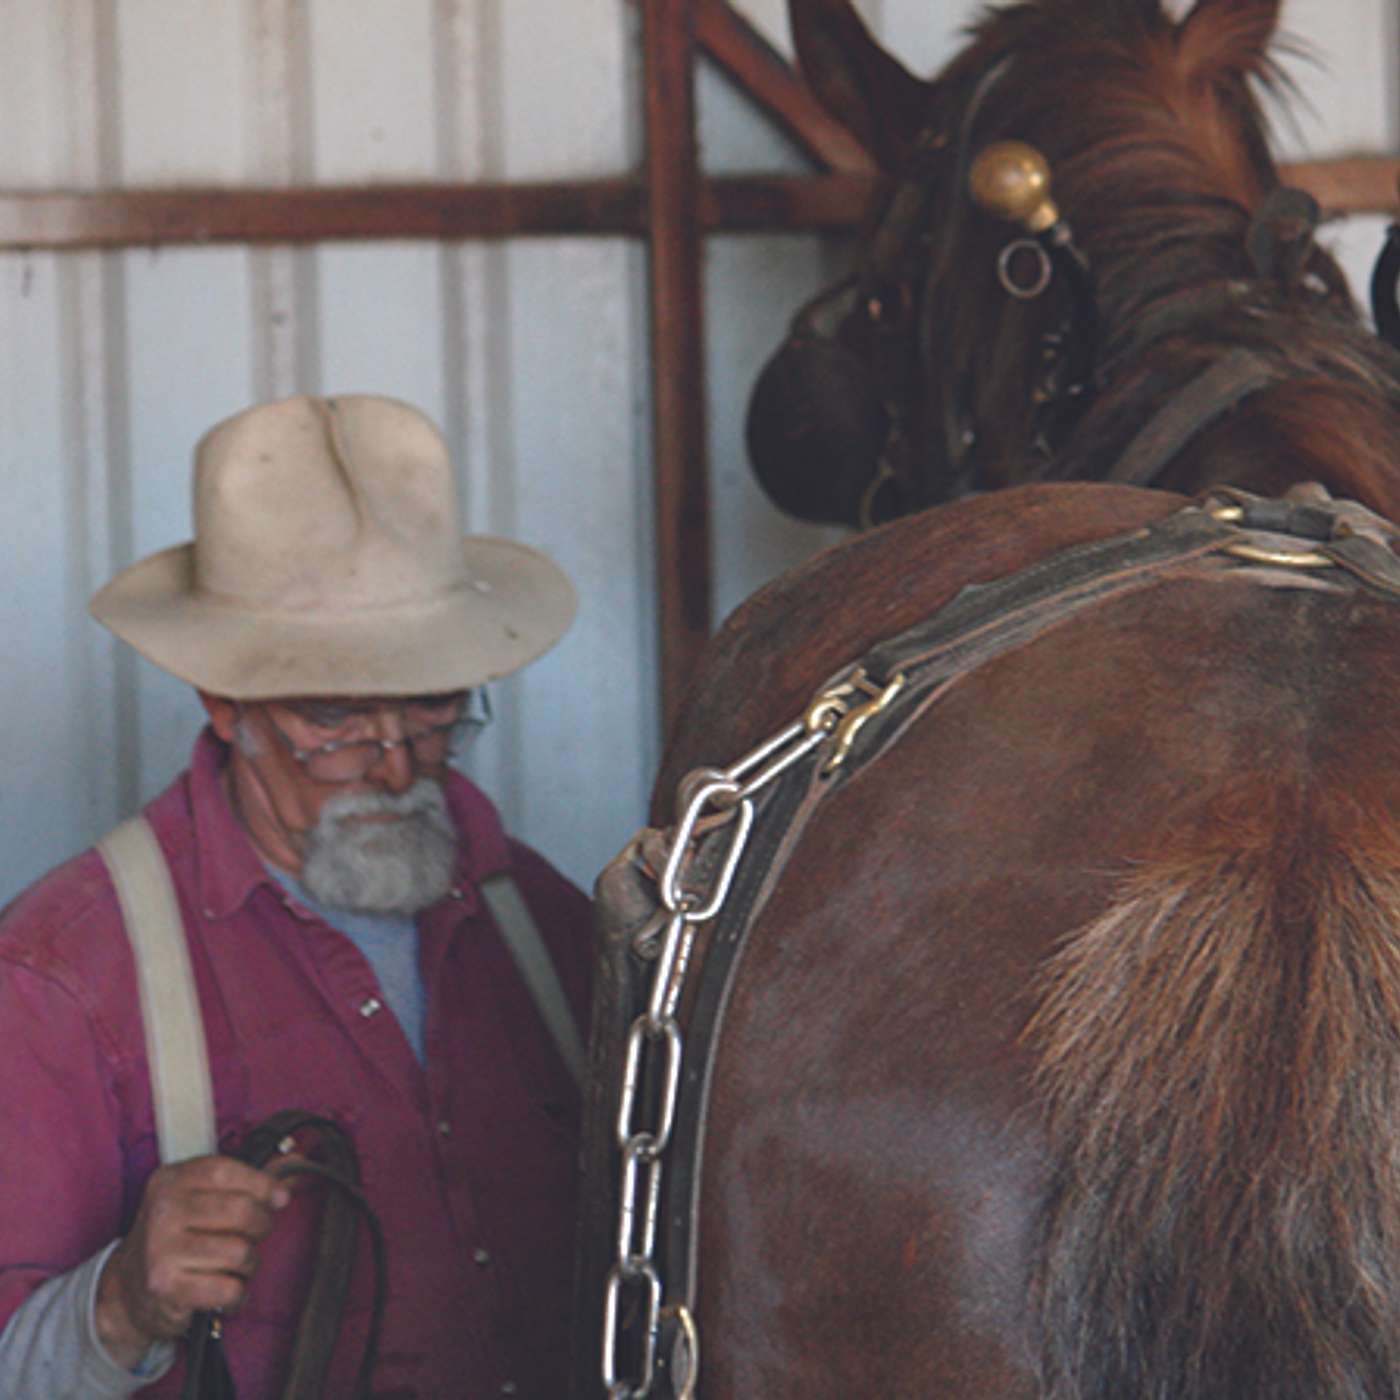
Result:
328,866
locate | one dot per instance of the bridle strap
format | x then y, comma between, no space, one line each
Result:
884,274
1190,411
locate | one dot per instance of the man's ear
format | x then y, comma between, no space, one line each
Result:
222,712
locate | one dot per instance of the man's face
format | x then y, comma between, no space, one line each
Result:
346,794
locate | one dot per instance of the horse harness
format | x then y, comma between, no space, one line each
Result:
715,869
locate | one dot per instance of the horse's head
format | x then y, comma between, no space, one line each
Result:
988,315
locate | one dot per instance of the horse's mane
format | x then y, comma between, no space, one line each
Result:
1171,115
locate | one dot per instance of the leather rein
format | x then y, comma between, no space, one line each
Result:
207,1375
676,907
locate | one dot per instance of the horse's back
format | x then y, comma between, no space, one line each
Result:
891,1157
772,651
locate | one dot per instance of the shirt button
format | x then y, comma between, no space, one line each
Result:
444,1128
510,1388
371,1006
481,1257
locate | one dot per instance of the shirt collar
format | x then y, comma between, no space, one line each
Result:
229,868
227,863
482,848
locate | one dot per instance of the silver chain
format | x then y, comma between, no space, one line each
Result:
713,800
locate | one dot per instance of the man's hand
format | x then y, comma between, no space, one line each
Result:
193,1246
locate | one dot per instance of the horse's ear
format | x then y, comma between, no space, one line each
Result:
863,86
1231,35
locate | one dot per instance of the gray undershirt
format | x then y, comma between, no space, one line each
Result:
50,1351
390,946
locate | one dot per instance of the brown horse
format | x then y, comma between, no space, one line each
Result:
1198,298
1061,1057
1055,1047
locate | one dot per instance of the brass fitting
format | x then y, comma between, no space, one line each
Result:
1011,180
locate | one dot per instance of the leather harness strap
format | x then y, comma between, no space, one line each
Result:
1189,412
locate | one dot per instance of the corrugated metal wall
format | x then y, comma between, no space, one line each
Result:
533,355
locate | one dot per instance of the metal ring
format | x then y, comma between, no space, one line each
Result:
680,901
641,1034
1045,268
639,1210
1280,555
632,1276
689,1340
865,511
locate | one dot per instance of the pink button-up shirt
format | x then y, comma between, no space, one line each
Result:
470,1159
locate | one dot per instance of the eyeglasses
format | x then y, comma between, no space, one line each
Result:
434,726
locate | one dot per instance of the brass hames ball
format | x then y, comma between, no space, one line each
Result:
1012,180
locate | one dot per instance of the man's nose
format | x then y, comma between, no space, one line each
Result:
393,770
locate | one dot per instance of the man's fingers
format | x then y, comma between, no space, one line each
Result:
179,1289
290,1171
193,1246
219,1253
213,1212
223,1174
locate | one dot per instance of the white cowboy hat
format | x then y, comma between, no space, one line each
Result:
327,561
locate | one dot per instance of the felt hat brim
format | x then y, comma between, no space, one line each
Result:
514,604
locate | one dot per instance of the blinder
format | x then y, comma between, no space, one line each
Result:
839,426
825,428
821,432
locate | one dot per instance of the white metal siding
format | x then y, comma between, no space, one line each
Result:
532,355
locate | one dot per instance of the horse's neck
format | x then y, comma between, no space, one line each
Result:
1243,382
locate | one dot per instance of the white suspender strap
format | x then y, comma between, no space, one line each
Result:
537,968
175,1048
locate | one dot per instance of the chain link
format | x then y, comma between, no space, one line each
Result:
712,799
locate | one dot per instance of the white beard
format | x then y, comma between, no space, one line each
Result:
391,867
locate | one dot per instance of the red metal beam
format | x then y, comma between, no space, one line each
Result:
65,221
1350,184
120,218
677,345
769,81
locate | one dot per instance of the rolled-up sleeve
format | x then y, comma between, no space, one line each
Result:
49,1349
